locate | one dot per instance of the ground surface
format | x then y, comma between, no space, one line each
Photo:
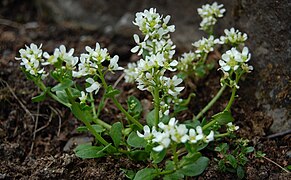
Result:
35,138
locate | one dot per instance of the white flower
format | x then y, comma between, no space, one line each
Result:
231,127
95,86
131,72
233,59
31,58
60,55
83,97
163,139
209,138
113,64
179,135
205,45
233,36
193,137
98,54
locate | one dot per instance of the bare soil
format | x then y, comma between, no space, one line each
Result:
34,137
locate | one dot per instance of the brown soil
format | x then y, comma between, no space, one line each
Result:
33,136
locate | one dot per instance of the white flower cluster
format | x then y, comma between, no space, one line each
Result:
31,59
205,45
234,60
61,55
185,62
209,13
158,50
172,132
231,127
233,36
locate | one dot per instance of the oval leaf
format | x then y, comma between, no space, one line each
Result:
63,85
145,174
196,168
116,133
86,151
135,141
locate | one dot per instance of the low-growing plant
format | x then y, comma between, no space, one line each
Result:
171,147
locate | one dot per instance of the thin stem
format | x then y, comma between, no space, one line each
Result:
209,124
222,135
101,104
157,105
93,105
275,164
230,102
210,104
175,155
128,116
102,123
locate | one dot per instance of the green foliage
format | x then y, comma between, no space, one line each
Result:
135,141
134,107
195,168
223,118
145,174
116,133
86,151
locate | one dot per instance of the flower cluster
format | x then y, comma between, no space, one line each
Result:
209,13
231,127
233,36
61,55
174,133
205,45
185,62
31,59
234,60
157,49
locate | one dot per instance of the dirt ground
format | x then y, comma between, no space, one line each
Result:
36,139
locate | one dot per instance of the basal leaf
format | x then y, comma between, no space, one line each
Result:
145,174
223,117
196,168
116,133
135,141
86,151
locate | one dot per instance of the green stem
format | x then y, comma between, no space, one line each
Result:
230,102
93,105
102,123
101,104
209,124
175,155
221,135
157,106
128,116
210,104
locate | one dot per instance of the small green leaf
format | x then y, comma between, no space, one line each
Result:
62,95
40,97
232,160
79,114
288,167
145,174
135,141
75,92
116,133
134,106
63,85
139,155
190,158
174,176
86,151
157,157
150,118
240,172
111,92
221,165
182,75
250,149
98,128
196,168
128,173
223,117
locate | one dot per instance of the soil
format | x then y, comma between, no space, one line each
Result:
34,137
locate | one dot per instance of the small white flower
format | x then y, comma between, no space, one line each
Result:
83,97
209,138
193,137
113,64
231,127
95,86
179,135
233,36
163,139
205,45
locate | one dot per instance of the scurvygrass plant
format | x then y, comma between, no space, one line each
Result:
171,146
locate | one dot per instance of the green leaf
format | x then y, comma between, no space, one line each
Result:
135,141
196,168
249,149
221,165
134,106
223,117
157,157
128,173
116,133
139,155
75,92
190,158
174,176
150,118
40,97
98,128
240,172
66,83
86,151
111,92
79,114
145,174
232,160
182,75
62,95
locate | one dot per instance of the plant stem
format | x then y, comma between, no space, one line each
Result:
210,104
157,106
128,116
93,105
175,155
221,135
275,164
233,92
209,124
